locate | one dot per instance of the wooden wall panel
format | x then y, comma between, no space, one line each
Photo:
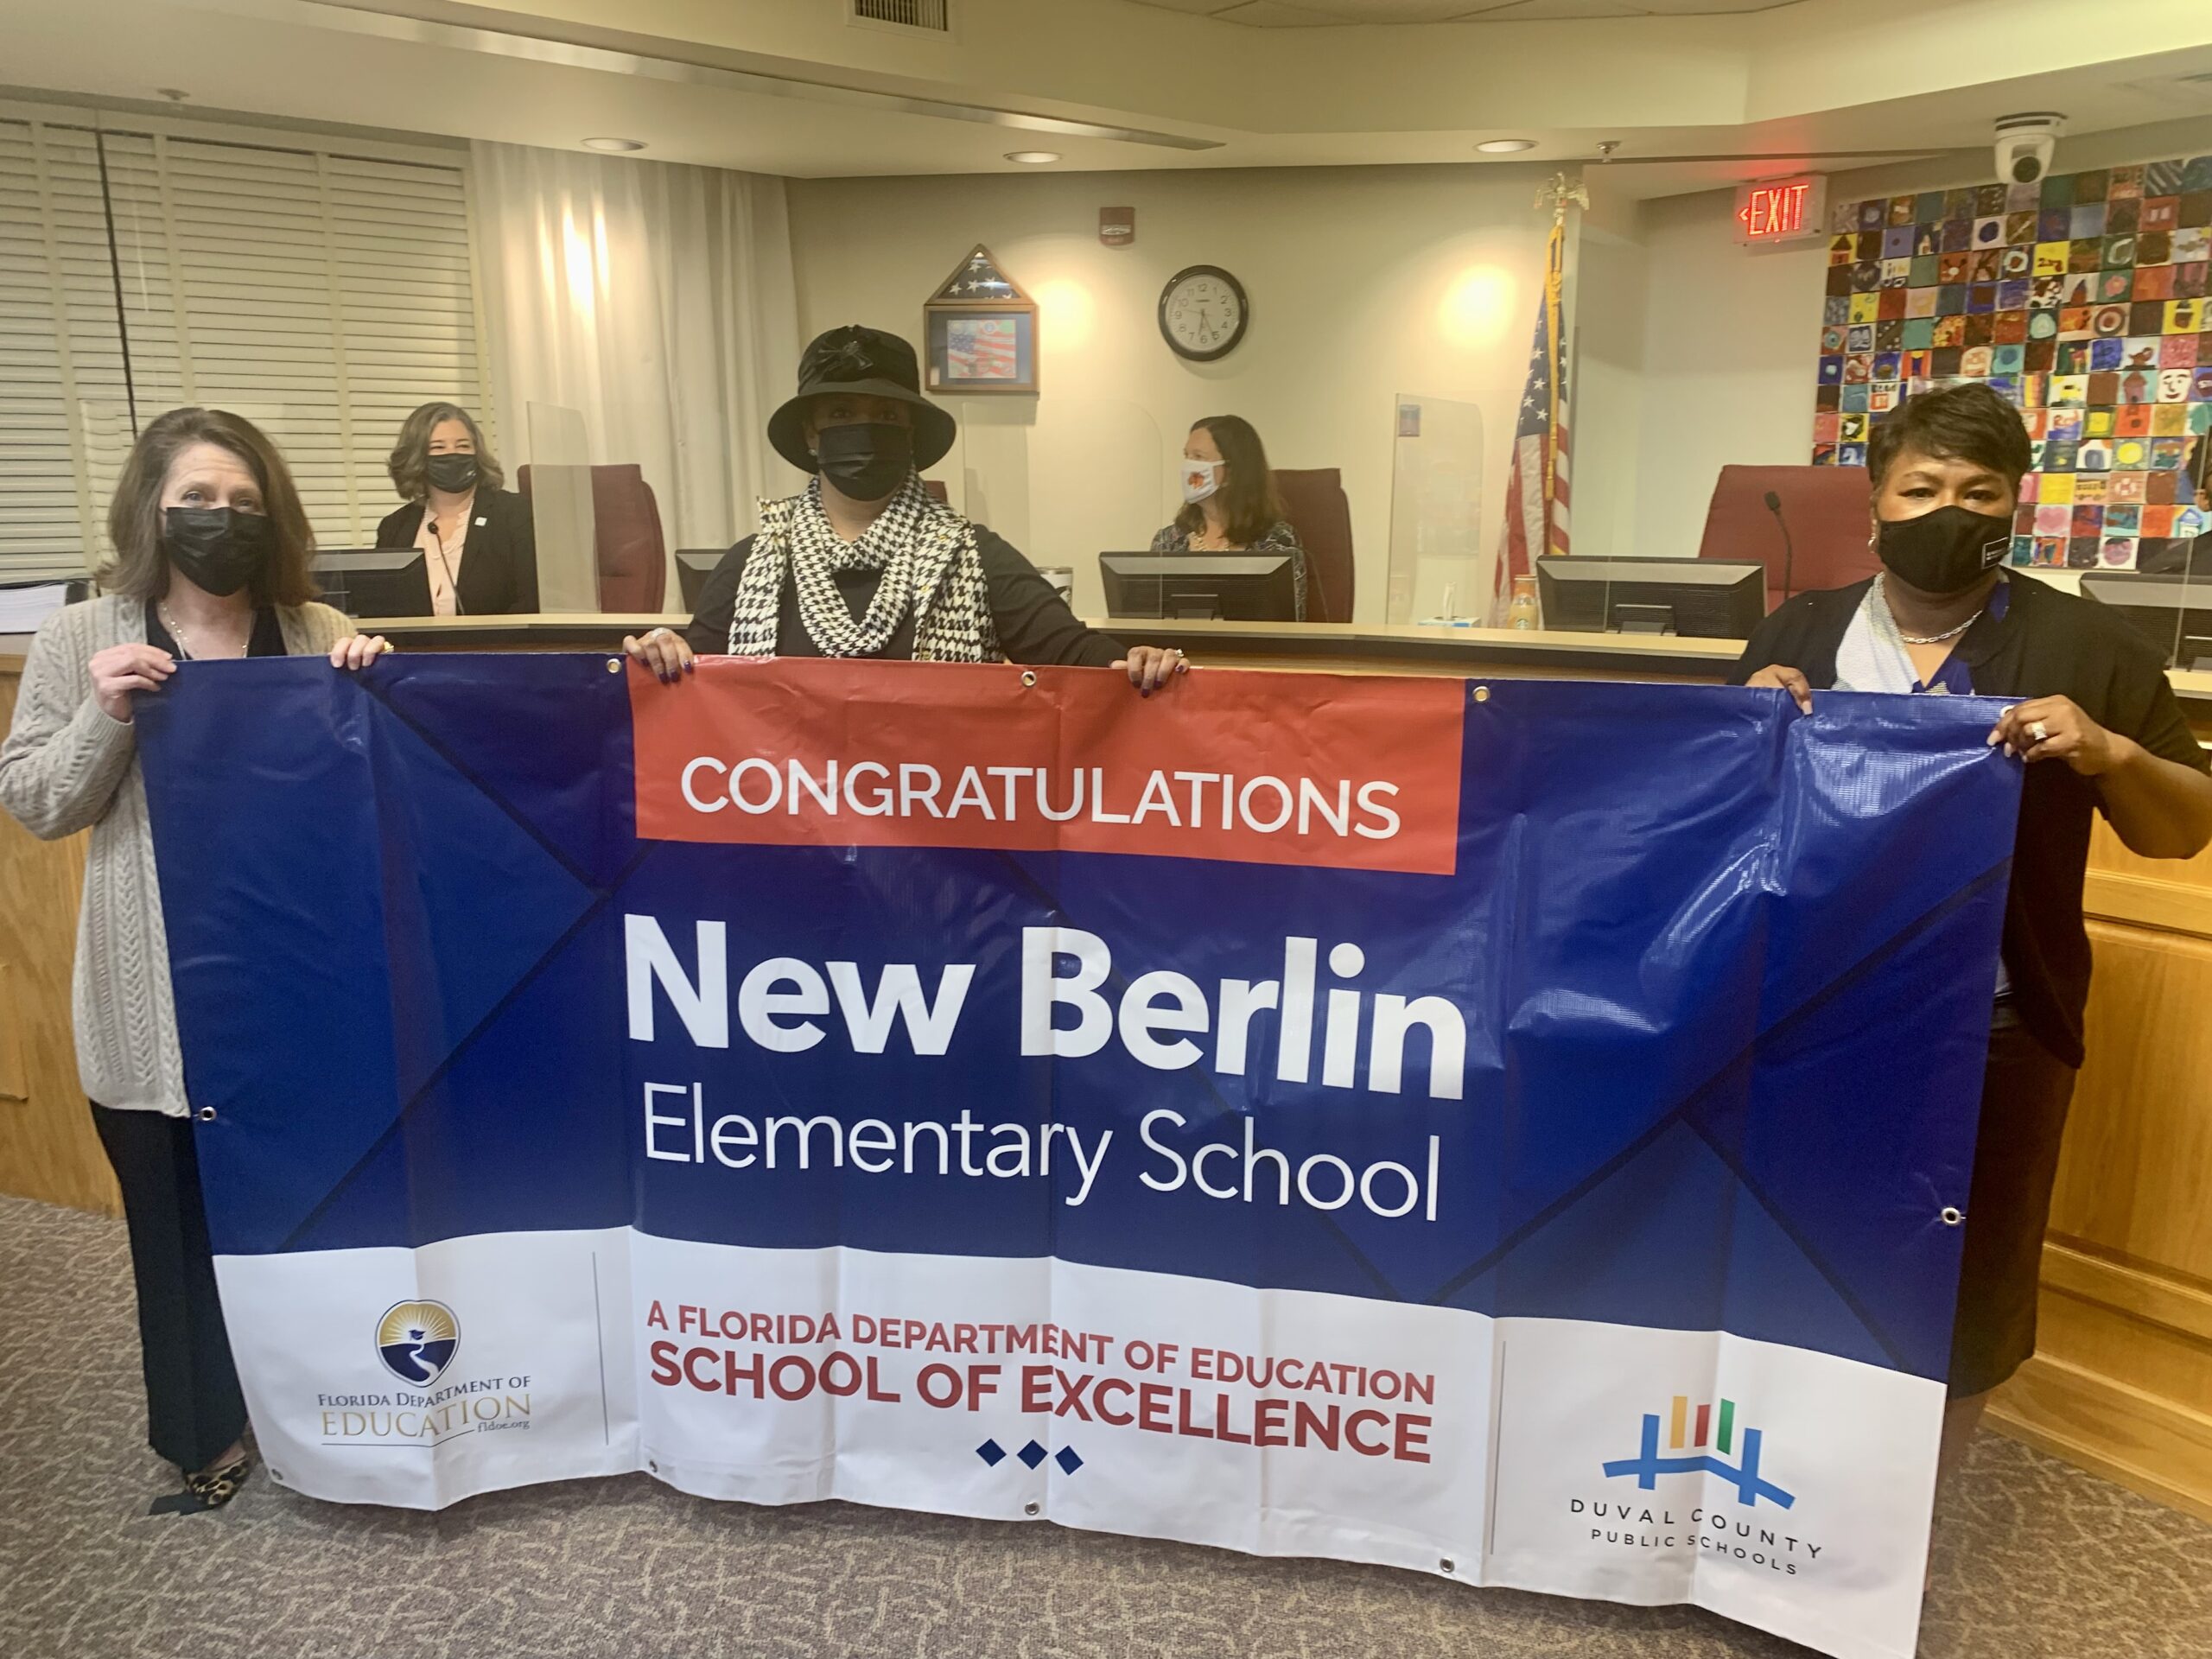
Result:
2121,1381
47,1147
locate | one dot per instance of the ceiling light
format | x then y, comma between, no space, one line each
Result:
1506,146
618,145
1033,158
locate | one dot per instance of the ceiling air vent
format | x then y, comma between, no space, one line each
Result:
921,16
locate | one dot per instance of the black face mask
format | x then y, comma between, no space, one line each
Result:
867,461
218,549
1946,551
452,473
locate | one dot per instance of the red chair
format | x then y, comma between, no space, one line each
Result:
1826,509
1320,513
629,554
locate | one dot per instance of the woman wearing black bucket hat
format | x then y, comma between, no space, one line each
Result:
864,563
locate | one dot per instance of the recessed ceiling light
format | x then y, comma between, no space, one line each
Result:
1033,158
1506,146
616,144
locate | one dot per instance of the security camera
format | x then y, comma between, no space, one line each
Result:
2026,145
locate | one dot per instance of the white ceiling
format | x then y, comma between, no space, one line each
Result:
785,86
1321,14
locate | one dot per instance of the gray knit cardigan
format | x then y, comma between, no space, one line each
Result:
65,764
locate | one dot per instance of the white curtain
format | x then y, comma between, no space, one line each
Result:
657,300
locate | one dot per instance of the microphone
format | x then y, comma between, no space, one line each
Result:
1788,551
430,524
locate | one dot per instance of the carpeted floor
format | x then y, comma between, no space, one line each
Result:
2034,1560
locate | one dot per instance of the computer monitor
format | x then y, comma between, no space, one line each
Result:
693,566
1226,587
1713,599
374,580
2174,613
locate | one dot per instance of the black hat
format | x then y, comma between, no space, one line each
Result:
873,363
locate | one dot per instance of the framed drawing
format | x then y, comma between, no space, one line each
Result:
981,331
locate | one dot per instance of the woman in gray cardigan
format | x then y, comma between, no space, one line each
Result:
211,562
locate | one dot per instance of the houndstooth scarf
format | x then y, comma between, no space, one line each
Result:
929,564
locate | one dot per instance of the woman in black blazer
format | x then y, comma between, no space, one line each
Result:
475,537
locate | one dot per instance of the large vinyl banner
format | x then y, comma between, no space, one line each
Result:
1510,1131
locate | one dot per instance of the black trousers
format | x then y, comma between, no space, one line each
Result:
2025,1095
194,1408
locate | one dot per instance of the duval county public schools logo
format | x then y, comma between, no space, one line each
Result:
416,1340
1690,1441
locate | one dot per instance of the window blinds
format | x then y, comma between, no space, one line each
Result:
60,347
320,296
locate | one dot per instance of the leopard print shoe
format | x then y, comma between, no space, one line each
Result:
208,1489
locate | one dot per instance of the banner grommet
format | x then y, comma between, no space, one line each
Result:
206,1113
614,664
1444,1565
1481,694
1952,1215
1031,1508
1029,676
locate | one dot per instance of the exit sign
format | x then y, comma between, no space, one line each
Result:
1781,210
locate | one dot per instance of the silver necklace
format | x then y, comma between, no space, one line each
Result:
183,641
1929,639
1936,638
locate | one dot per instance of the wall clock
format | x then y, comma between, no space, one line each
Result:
1203,313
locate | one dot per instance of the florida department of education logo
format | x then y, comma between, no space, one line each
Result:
1701,1447
417,1340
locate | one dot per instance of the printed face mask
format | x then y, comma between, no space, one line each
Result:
1200,479
1945,551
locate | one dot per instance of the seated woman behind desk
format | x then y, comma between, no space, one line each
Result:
1229,503
864,563
476,538
2100,730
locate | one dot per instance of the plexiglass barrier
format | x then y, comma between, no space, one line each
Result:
1438,570
1112,483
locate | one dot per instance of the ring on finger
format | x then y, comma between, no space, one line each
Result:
2038,731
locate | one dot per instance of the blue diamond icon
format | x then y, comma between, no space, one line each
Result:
991,1453
1033,1454
1066,1459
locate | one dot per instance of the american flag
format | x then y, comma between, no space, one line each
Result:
1536,494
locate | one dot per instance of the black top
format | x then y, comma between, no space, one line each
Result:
1034,622
267,639
499,560
2047,644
